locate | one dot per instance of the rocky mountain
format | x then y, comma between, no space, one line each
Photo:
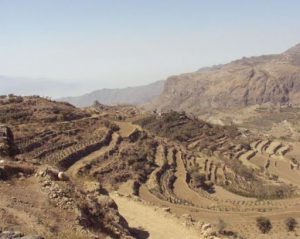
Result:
273,79
131,95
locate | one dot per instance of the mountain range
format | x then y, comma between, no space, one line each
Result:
268,79
131,95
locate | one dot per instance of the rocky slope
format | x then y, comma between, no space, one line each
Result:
273,79
131,95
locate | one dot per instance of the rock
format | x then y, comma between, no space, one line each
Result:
7,233
136,198
206,226
63,176
166,209
54,195
41,173
208,231
47,183
53,173
18,234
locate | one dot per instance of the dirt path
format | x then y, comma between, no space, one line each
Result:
223,194
73,170
181,188
159,158
156,224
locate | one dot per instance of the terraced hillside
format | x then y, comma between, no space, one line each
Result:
57,172
70,160
223,154
49,138
221,169
36,109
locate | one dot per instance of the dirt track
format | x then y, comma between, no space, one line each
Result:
153,223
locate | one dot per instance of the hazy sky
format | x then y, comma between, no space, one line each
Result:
89,44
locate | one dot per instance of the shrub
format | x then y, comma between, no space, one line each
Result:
264,224
221,225
291,224
111,125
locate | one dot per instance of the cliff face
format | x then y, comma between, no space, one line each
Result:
273,79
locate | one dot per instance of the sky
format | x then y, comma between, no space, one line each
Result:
70,47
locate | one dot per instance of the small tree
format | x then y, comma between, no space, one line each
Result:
291,224
96,103
264,224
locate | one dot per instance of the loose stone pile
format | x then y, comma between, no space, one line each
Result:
56,191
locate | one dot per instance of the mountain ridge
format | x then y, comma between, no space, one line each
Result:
268,79
137,95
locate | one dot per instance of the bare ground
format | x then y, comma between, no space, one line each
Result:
154,223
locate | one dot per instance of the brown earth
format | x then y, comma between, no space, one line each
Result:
179,173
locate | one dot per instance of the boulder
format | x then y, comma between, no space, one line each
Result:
63,176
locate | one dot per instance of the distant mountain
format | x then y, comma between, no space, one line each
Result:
271,79
132,95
